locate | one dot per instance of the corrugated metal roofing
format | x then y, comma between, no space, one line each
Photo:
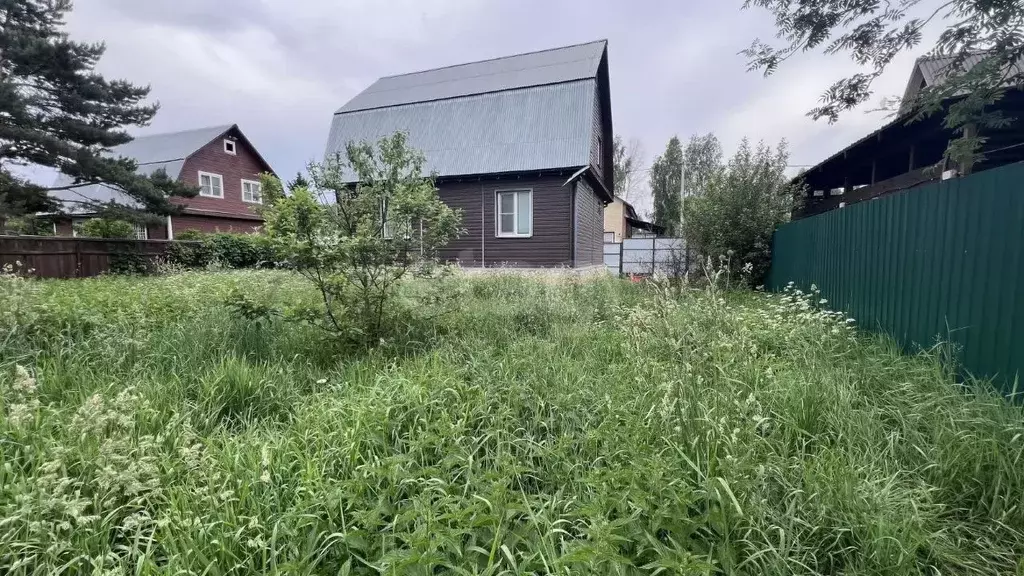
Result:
154,152
520,71
533,128
936,68
167,148
83,199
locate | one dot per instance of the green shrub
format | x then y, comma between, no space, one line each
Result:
189,235
196,249
190,254
107,228
242,250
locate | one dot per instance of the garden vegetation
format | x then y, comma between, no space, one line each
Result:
570,427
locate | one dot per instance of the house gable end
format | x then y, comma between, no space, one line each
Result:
244,165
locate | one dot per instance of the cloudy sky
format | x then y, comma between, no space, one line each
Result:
279,68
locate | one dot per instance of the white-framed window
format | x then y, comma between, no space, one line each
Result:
513,213
251,192
229,146
211,185
141,233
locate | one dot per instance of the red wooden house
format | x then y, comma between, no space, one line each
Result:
220,160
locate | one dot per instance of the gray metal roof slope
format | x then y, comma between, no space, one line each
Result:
167,149
520,71
935,69
534,128
82,199
155,152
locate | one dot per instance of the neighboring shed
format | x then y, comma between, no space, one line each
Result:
522,144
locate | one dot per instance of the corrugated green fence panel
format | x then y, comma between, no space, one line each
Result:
940,262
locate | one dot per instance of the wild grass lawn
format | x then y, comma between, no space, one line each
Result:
545,427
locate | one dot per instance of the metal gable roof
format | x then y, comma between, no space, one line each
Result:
155,152
536,128
520,71
166,149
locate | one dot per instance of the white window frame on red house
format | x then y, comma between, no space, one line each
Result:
253,199
515,233
230,147
141,231
211,176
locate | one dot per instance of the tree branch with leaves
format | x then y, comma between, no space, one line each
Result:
982,46
59,113
366,222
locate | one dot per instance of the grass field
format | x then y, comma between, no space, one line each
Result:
564,427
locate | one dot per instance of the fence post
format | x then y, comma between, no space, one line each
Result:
78,258
654,246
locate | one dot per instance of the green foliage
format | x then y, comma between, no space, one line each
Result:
666,173
873,33
26,226
60,113
270,189
704,163
626,159
190,235
740,207
549,427
358,247
107,228
129,261
195,250
298,182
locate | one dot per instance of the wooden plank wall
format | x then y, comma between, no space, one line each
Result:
61,257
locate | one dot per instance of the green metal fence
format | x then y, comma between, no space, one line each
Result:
940,261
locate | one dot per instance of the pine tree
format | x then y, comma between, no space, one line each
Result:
666,173
57,112
298,182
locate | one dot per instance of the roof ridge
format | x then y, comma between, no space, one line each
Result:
443,81
603,40
187,130
339,112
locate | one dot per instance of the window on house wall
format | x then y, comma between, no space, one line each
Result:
251,192
514,213
211,185
229,146
141,232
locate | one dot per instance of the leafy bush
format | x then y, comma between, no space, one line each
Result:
739,207
195,250
357,250
243,250
107,228
190,254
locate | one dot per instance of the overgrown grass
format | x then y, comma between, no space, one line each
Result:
562,427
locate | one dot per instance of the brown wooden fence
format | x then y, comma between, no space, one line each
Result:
80,257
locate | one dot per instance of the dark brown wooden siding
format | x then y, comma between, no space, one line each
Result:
597,142
589,226
465,196
550,245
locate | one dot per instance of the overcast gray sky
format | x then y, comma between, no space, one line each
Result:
279,68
